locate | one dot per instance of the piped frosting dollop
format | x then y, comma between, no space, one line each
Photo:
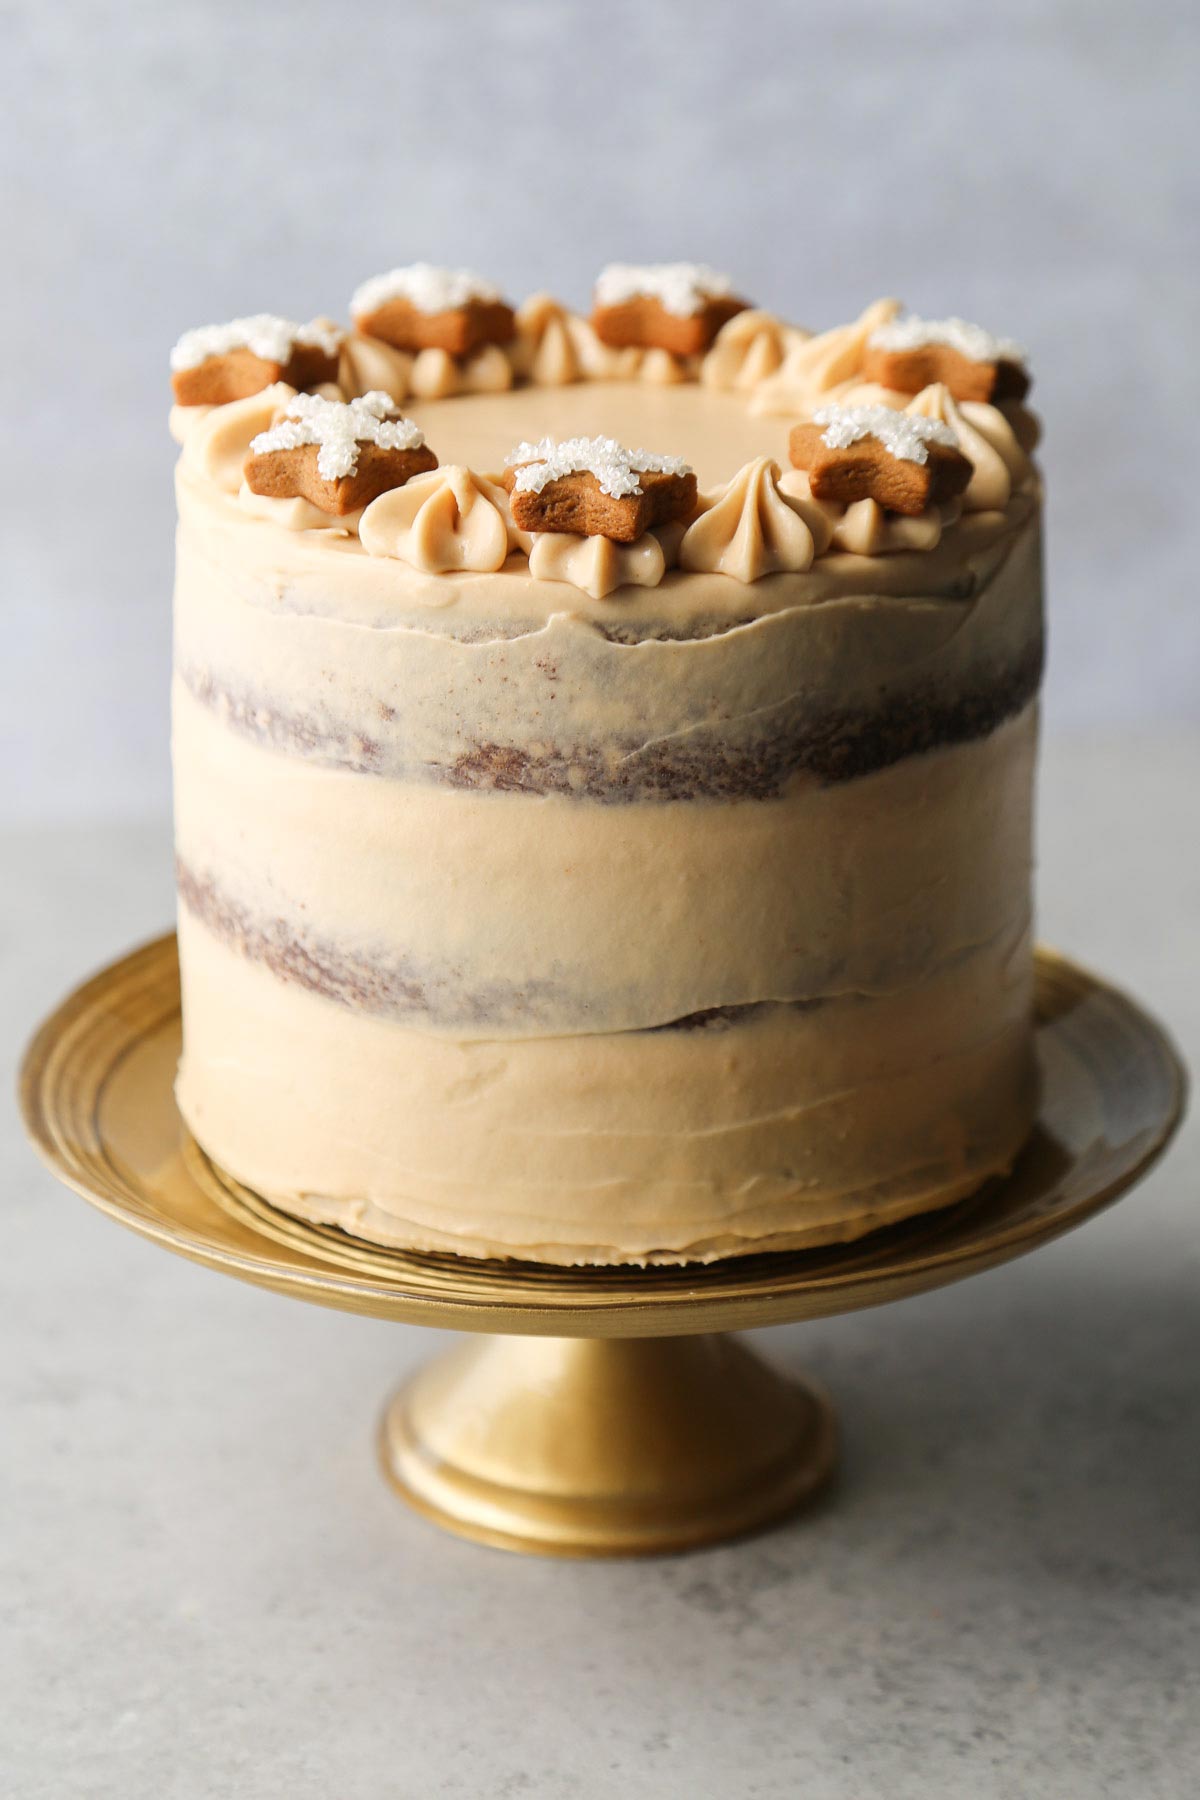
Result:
368,365
436,375
986,439
748,349
218,446
868,529
597,565
448,520
554,347
817,367
753,527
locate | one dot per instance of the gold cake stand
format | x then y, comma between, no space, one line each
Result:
607,1414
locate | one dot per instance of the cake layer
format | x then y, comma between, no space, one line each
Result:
786,1128
417,903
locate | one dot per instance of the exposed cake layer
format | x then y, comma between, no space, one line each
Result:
495,913
790,1127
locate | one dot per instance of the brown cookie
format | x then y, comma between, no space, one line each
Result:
908,371
643,322
867,470
577,503
460,330
293,474
239,373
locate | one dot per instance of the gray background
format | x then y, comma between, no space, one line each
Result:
1033,166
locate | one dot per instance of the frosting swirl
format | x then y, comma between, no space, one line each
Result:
747,349
753,527
865,528
818,366
554,347
218,446
986,439
448,520
368,365
436,375
598,565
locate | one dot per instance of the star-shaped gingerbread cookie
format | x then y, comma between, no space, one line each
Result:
219,363
902,462
422,307
337,456
596,487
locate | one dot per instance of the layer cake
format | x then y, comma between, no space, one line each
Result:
553,895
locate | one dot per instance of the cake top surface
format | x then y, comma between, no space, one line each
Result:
265,335
583,405
903,435
428,287
679,287
615,467
338,428
971,341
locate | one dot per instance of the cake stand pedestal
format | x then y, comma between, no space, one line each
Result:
606,1446
606,1413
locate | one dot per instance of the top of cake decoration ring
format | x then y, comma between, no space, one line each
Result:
902,428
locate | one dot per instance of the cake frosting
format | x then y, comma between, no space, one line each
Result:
548,896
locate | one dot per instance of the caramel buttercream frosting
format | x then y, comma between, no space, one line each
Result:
818,368
755,526
449,519
748,349
605,894
216,448
989,442
368,365
554,347
598,565
436,375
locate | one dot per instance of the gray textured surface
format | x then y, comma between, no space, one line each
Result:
1035,166
208,1589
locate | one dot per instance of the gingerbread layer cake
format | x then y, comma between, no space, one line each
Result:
603,773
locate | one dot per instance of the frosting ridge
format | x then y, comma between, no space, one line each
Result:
986,439
598,565
448,519
754,527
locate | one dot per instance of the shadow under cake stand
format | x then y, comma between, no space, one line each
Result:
605,1413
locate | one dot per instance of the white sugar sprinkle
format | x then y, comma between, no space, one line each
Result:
429,288
615,468
339,429
680,288
971,341
263,334
903,435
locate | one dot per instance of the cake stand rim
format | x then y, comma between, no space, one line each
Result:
761,1301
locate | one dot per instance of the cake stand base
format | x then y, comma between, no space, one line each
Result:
684,1442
